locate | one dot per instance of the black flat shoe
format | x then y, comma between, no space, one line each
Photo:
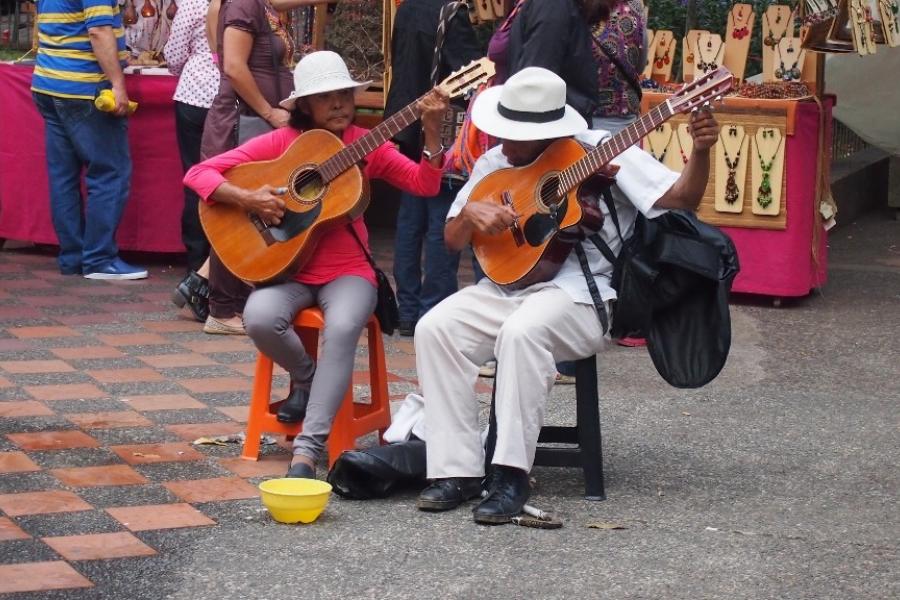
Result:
507,498
407,328
445,494
193,291
301,470
293,408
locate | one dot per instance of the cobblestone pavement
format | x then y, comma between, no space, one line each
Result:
779,480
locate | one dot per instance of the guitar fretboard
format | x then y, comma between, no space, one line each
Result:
619,143
356,151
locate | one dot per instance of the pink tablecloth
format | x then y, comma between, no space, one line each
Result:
781,263
152,219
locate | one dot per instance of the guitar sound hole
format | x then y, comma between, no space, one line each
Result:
549,193
308,187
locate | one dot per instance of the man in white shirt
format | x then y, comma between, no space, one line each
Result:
530,329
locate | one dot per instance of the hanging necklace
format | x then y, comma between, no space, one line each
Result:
890,9
771,41
740,30
661,157
684,158
662,61
783,72
732,191
709,61
764,193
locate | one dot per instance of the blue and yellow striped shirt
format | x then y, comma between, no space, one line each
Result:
66,64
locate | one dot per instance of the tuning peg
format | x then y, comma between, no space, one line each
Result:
719,98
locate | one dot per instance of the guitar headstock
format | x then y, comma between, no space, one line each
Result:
702,92
468,77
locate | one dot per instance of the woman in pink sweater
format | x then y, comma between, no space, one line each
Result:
337,277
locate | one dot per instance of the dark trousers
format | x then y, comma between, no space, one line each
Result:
227,293
189,131
420,224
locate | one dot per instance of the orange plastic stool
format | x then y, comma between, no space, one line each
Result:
352,420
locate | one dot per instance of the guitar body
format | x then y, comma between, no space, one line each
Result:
535,249
260,254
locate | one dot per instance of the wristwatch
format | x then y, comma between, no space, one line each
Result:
428,154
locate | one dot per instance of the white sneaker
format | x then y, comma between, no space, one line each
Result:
488,369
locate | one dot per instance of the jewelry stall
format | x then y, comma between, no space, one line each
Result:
769,183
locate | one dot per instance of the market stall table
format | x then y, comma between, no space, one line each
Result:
783,255
152,217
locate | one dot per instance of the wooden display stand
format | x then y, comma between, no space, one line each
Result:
709,54
730,168
777,24
767,158
890,22
790,63
737,38
689,53
651,49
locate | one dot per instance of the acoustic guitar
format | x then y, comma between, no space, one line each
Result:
555,197
325,188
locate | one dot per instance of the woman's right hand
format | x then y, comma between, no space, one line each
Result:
265,203
278,118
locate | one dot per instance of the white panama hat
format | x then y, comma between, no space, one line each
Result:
320,72
531,105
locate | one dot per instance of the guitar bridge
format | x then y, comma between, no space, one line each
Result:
516,229
262,228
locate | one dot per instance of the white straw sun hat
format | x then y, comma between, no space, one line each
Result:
531,105
320,72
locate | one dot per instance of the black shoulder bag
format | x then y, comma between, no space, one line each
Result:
386,310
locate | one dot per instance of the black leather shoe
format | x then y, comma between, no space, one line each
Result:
193,291
301,470
507,498
293,408
444,494
407,328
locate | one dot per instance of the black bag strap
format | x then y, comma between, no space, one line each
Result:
602,246
363,246
630,77
592,287
448,11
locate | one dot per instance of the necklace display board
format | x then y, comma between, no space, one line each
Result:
738,35
709,53
890,21
767,160
777,24
685,145
689,53
862,27
663,57
730,168
781,246
651,50
790,60
662,144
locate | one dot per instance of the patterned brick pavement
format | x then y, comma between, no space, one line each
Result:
103,387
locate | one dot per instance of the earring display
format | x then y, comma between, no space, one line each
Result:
737,38
710,49
768,171
663,57
890,21
790,60
689,53
731,169
659,142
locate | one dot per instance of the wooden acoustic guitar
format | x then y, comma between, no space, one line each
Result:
555,197
325,188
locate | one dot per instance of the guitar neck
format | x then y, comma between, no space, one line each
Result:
381,133
594,160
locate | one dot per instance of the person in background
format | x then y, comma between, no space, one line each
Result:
620,50
81,52
421,223
337,277
188,55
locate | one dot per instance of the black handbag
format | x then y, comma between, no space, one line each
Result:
378,472
386,310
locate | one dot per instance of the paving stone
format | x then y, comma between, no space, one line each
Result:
167,516
16,462
75,457
17,552
10,531
34,503
53,440
99,546
83,405
33,481
127,495
212,490
106,475
178,471
141,387
69,523
133,435
24,408
109,419
173,417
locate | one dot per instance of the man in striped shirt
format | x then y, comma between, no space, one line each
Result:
81,51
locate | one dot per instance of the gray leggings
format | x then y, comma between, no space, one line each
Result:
347,302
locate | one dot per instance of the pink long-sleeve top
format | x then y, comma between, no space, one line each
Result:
337,253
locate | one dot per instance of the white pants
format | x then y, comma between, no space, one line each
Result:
528,332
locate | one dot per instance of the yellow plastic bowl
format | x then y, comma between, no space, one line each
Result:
290,500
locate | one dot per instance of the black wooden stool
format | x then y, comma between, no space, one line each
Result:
587,452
